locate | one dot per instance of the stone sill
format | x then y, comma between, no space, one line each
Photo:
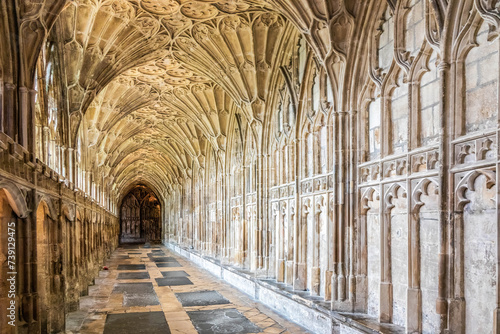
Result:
307,312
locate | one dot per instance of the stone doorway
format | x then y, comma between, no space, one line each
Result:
140,217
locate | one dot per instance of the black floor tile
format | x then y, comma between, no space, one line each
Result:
139,275
201,298
136,323
222,321
169,274
146,299
173,281
129,246
131,267
137,294
168,264
133,288
154,255
163,259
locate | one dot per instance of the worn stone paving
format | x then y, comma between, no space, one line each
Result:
149,289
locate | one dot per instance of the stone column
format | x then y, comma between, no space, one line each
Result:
351,202
300,281
414,293
9,112
45,145
496,315
446,191
63,170
261,199
32,124
316,246
70,169
22,125
341,214
227,221
385,314
280,246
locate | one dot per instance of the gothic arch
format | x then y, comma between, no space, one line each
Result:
140,216
68,211
46,201
16,198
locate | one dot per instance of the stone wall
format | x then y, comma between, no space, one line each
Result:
61,241
378,198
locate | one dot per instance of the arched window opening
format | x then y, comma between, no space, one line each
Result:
49,126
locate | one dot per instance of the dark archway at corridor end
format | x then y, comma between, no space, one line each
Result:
140,216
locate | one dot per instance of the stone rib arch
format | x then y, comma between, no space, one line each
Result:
467,183
16,198
47,202
68,211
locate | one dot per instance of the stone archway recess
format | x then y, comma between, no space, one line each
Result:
140,216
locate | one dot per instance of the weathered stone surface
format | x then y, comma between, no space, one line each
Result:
168,264
173,281
141,322
169,274
131,267
135,275
137,294
201,298
222,321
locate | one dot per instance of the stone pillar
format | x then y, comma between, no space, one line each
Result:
22,125
340,188
9,113
45,144
316,221
283,221
496,314
262,200
70,166
227,219
32,124
62,162
414,293
385,314
444,139
351,202
300,281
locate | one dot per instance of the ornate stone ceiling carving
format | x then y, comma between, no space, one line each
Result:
177,71
161,78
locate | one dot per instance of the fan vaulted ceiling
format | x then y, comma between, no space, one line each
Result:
152,83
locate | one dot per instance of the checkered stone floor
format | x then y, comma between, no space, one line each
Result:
152,290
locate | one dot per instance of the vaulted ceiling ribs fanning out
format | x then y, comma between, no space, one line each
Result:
152,83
